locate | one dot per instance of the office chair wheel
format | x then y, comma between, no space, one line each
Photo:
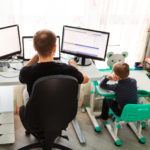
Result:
27,133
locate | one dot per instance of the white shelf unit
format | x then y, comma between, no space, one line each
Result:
7,131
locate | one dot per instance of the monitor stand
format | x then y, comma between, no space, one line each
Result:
82,61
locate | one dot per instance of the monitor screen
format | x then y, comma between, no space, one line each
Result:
29,51
84,42
9,41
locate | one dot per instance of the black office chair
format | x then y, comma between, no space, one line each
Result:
51,107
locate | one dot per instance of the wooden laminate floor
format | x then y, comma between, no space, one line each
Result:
94,141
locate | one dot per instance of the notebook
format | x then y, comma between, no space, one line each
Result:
29,51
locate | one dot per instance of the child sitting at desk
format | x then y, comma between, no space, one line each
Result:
125,89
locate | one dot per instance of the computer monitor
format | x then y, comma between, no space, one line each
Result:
29,51
84,43
9,41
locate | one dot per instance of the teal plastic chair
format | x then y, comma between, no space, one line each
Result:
133,115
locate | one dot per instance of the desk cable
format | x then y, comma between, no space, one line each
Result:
4,76
8,76
15,68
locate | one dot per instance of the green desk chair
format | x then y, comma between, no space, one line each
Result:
133,115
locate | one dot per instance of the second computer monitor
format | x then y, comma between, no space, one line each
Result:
84,43
29,51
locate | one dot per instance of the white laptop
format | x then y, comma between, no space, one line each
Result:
28,49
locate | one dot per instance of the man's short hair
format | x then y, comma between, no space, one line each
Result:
121,70
44,41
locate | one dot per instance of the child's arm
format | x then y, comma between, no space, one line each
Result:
106,86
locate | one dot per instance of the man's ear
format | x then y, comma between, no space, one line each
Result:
54,49
34,48
124,54
109,54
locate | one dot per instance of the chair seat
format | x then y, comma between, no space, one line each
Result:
133,113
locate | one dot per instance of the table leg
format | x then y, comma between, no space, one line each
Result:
90,109
78,131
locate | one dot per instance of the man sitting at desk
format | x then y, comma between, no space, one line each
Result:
125,89
42,64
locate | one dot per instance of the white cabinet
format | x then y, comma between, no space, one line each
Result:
7,134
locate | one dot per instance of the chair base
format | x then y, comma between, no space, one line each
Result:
113,132
137,131
41,145
135,127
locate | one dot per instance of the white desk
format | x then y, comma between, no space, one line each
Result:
11,78
143,82
91,71
93,75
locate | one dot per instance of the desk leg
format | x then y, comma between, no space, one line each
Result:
90,109
94,121
78,131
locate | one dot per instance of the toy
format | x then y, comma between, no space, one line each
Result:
113,58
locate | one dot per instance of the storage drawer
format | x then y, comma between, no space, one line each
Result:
6,117
6,128
7,138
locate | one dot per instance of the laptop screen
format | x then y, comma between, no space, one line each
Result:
28,49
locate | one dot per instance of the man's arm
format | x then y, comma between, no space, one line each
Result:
74,64
32,61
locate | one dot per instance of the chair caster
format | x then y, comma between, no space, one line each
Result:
27,133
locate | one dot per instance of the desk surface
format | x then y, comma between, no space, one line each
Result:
143,82
11,77
92,72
